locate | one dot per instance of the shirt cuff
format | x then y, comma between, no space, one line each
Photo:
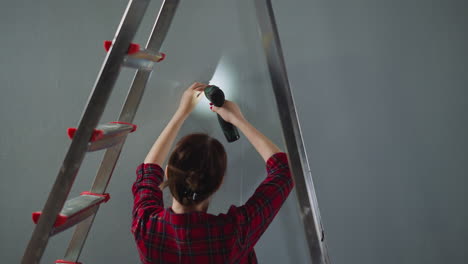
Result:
149,169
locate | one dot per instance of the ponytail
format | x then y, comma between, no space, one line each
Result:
195,169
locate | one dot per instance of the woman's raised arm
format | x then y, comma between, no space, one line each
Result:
232,114
161,147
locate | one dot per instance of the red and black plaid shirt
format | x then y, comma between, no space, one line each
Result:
163,236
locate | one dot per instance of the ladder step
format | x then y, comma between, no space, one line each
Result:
74,211
61,261
139,59
132,49
106,135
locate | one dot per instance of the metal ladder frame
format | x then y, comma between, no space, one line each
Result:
299,164
89,120
103,86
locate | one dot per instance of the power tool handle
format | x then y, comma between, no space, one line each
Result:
230,131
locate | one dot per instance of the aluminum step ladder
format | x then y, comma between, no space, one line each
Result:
58,214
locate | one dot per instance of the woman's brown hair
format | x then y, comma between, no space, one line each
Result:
195,169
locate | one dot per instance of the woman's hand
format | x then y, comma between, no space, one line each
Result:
190,98
230,112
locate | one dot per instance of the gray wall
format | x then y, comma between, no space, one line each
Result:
380,88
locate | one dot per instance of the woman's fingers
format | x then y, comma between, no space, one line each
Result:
203,87
198,86
214,108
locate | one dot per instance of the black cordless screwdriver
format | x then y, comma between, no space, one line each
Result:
216,96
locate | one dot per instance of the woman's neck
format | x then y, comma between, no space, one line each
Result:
178,208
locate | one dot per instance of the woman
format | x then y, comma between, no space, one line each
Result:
185,233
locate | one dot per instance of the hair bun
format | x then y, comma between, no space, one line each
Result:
196,168
193,180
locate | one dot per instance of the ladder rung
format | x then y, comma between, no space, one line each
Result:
75,210
61,261
106,135
143,60
132,49
148,55
139,59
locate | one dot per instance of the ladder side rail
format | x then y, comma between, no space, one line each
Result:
298,161
157,37
89,120
161,26
100,183
128,112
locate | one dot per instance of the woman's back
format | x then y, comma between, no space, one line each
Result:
197,237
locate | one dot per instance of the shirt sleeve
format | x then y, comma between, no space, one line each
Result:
148,199
258,212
